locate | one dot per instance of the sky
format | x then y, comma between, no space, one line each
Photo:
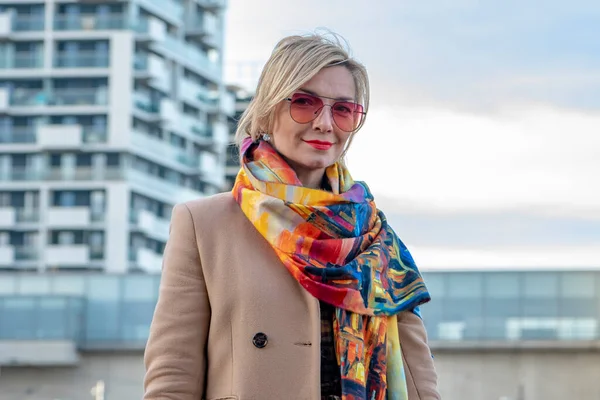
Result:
482,142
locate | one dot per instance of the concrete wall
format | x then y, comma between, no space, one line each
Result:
122,375
549,374
463,375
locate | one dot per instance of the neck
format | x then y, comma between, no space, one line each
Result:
311,179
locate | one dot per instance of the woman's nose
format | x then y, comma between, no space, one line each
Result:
324,120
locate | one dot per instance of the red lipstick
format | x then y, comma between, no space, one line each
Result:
318,144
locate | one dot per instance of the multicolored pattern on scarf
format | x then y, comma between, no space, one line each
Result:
339,247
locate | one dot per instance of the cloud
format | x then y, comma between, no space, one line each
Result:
536,158
468,54
507,258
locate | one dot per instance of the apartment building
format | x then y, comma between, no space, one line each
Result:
110,113
241,98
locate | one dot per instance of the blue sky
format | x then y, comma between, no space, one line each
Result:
483,140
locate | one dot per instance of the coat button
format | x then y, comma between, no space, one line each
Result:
260,340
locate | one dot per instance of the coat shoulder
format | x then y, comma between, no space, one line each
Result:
215,204
214,211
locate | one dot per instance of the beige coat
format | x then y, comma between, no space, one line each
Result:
232,323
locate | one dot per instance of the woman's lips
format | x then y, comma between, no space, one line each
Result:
319,145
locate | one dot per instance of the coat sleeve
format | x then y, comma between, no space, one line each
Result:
421,377
175,356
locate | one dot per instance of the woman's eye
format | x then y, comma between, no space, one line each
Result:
303,102
343,109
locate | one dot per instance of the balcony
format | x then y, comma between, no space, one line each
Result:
28,23
10,217
164,151
150,29
191,125
191,55
89,22
22,60
60,97
194,93
26,253
161,188
7,255
67,255
151,225
205,29
28,174
154,70
18,135
92,134
12,22
59,136
80,97
148,260
73,217
18,174
144,103
63,136
82,174
171,10
81,59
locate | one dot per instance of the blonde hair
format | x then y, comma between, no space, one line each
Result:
293,62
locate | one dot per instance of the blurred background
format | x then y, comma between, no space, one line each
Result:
482,145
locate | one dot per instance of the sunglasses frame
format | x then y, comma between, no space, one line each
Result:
363,114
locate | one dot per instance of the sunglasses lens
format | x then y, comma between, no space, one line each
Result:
304,107
347,115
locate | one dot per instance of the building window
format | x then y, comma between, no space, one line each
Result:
71,198
55,159
113,159
64,199
84,160
65,238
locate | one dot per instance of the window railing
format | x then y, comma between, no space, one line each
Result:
18,134
28,97
26,253
59,97
82,59
21,174
94,134
22,60
27,215
22,23
90,96
64,22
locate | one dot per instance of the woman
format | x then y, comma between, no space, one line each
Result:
292,286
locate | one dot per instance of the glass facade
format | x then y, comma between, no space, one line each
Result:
101,311
97,311
507,306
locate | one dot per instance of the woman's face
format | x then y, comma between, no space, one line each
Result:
311,147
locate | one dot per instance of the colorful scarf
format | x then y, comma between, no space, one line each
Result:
339,247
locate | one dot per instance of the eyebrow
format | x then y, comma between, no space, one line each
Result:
325,97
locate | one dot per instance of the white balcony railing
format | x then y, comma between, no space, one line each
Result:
149,261
153,226
7,255
75,255
164,150
87,22
69,216
8,217
162,188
